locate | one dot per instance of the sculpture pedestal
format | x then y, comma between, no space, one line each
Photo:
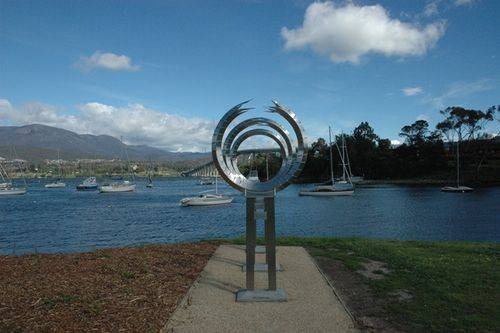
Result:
261,295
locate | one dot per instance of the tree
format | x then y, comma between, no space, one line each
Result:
465,123
415,133
365,132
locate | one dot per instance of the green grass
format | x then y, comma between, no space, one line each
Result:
455,285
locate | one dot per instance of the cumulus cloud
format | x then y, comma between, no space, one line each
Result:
412,91
107,61
345,33
135,122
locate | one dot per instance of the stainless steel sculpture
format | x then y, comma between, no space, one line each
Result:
259,195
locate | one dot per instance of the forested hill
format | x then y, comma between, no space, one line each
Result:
36,142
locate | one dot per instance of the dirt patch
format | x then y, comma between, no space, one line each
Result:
374,270
119,290
367,309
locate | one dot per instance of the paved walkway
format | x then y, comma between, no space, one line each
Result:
210,304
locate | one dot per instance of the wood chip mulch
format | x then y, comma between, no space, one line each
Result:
112,290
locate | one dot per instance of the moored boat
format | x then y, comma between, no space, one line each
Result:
89,184
125,186
207,200
6,185
57,184
457,189
10,190
327,190
343,187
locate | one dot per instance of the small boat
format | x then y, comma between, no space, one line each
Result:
125,186
10,190
343,187
327,190
57,184
122,186
150,181
89,184
205,199
206,181
458,188
6,185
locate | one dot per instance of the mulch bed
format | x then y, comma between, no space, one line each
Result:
112,290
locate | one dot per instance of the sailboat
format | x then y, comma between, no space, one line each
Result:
205,199
332,188
116,187
458,188
150,181
6,186
58,183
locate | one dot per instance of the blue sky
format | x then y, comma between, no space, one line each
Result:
161,72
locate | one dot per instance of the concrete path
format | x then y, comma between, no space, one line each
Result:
210,305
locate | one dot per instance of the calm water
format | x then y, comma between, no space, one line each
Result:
64,220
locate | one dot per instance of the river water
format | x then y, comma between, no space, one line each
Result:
64,220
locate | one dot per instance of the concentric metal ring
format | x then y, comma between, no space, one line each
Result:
224,152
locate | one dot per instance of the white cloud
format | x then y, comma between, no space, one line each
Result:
136,123
412,91
108,61
457,91
431,9
346,33
396,143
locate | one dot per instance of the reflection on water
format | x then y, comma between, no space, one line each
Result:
64,220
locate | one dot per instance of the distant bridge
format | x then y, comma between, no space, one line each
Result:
208,169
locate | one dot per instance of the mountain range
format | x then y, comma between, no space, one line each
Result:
38,142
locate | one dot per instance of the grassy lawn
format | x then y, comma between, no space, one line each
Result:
454,286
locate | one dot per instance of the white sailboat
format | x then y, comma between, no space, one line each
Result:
6,186
342,188
117,187
205,199
125,186
58,183
458,188
150,178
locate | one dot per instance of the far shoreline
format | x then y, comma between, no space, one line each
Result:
364,183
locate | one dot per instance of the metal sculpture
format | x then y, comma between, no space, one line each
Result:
259,195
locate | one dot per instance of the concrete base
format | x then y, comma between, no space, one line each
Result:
261,295
262,268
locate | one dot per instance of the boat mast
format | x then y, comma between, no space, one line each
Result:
331,153
60,166
343,158
216,187
458,162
